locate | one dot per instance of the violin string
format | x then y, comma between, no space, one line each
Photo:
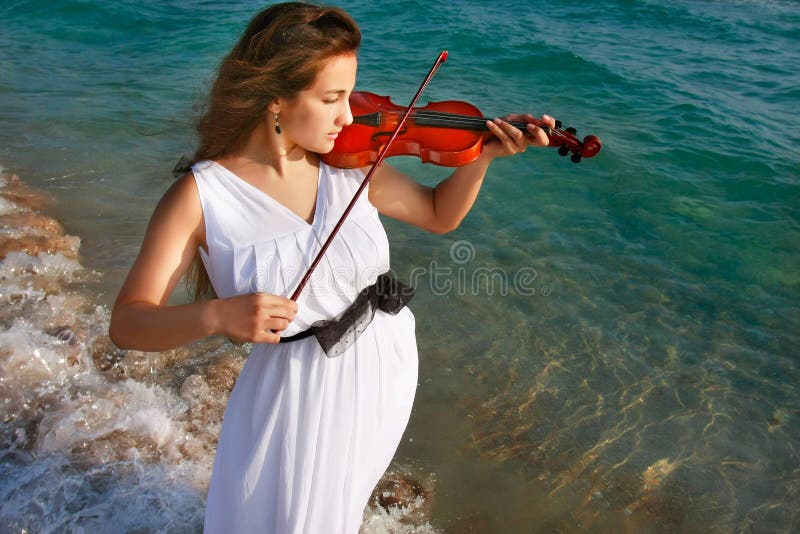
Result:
446,118
442,119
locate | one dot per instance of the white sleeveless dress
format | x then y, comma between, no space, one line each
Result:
305,438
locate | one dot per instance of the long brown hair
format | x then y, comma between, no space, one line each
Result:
279,55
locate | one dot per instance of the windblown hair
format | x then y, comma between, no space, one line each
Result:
279,55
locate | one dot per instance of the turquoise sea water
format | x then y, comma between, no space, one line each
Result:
604,346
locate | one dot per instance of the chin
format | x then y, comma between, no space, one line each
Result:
319,148
325,147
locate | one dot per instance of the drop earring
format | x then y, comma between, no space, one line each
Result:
277,125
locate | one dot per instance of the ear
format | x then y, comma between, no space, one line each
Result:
274,107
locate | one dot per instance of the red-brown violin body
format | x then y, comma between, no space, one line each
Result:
449,133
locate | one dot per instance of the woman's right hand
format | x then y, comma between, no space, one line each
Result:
255,318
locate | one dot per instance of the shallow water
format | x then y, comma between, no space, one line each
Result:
604,346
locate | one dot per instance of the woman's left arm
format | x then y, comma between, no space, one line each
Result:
442,208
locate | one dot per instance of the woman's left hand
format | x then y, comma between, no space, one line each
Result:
508,140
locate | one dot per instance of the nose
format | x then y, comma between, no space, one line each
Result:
346,115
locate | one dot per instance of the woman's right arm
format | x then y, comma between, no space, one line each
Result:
142,320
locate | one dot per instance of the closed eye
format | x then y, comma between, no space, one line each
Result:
333,97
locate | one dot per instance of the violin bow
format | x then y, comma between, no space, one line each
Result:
439,60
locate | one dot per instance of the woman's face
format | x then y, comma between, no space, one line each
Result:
314,117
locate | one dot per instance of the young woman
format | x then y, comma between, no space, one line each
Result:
305,437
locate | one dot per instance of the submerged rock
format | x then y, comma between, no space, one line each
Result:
34,245
402,491
115,446
221,375
14,190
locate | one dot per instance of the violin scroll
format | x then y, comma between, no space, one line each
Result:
567,142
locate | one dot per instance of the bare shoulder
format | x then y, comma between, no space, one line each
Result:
181,203
397,195
182,194
386,183
170,242
179,213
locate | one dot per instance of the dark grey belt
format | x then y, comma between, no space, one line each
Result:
336,335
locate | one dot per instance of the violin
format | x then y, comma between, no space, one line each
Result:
449,133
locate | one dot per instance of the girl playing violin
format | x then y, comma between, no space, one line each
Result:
305,436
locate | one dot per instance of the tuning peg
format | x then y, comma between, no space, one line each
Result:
563,150
576,157
558,124
571,130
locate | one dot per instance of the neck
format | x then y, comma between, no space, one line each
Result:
273,152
